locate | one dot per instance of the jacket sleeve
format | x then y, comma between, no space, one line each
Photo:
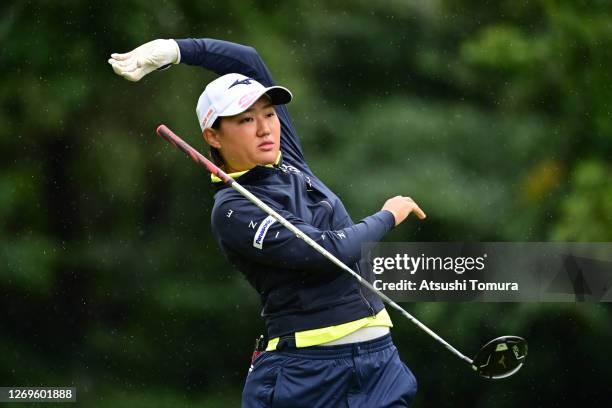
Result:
223,57
244,230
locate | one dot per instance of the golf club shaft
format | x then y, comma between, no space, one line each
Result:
166,133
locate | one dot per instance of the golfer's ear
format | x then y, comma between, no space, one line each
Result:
211,136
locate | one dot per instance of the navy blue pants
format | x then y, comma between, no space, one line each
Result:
368,374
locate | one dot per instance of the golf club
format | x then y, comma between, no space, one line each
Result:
499,358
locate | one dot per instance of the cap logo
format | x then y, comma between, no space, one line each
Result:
246,81
248,99
211,110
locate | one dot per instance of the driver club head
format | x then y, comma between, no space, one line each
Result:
501,357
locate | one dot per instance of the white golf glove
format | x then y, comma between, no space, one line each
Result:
148,57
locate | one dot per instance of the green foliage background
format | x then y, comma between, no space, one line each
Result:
495,116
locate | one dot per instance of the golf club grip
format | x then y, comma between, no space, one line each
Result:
165,132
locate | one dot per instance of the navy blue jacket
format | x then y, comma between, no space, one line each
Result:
299,288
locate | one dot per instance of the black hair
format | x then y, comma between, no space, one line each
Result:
215,154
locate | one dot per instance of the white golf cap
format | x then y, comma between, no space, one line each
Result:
232,94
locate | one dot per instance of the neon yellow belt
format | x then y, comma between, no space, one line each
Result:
315,337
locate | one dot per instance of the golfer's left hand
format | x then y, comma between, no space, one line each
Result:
148,57
401,207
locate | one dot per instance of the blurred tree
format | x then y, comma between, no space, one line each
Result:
495,116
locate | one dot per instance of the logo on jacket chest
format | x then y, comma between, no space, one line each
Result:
287,168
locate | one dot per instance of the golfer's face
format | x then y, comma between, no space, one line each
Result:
252,137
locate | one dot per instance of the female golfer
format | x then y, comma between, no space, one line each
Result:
329,343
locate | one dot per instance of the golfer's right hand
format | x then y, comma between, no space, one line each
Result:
148,57
401,206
